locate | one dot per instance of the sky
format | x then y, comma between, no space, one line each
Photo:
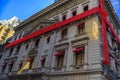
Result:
116,4
23,9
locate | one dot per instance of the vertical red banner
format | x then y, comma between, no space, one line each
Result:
105,43
104,33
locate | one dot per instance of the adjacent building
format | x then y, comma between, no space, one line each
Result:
13,22
5,33
68,40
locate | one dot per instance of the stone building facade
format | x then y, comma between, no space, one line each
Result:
68,40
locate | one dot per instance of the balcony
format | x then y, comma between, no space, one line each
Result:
110,72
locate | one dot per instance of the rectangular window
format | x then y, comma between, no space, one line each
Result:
10,66
20,65
37,42
112,63
4,67
85,8
11,50
47,39
79,56
74,13
0,56
81,28
26,47
31,62
114,45
20,35
7,30
117,68
15,38
18,49
60,60
64,33
43,62
64,17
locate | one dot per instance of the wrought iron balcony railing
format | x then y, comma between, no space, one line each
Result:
110,72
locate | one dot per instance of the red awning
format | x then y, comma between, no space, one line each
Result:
78,49
59,53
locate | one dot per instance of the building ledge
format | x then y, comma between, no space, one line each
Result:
83,71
